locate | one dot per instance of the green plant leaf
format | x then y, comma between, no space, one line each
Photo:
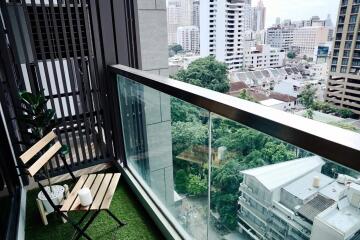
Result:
65,149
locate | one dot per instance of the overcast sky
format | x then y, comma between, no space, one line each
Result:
298,9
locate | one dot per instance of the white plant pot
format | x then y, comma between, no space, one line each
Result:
57,195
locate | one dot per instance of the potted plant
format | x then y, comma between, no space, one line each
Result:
36,121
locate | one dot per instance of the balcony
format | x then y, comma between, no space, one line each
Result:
183,151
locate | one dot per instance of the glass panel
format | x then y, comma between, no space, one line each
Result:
263,188
166,144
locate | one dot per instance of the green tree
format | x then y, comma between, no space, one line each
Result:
274,153
254,159
345,113
181,181
307,96
174,49
187,134
226,181
309,113
291,55
197,186
183,112
207,73
246,96
243,141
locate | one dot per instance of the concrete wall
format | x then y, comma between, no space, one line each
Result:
154,59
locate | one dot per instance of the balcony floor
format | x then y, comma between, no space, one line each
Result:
124,205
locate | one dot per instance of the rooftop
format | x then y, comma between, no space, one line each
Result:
278,175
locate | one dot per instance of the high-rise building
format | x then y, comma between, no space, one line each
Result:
307,38
221,31
280,37
248,16
259,13
179,14
343,86
189,38
278,21
196,13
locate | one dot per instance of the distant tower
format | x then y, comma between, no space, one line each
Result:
328,21
259,13
196,13
278,20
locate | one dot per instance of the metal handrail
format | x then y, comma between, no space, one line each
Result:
336,144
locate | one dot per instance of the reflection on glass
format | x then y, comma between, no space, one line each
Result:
166,144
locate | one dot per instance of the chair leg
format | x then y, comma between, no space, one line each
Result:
64,219
82,231
115,218
42,212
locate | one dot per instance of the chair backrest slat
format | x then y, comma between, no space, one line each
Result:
44,159
31,152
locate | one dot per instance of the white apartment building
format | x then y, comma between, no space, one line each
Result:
307,38
221,31
294,200
189,38
280,37
263,56
179,14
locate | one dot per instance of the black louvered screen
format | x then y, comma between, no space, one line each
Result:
40,14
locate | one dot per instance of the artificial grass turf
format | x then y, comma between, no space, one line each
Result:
124,205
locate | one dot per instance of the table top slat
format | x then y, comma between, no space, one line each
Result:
73,194
101,193
87,184
94,190
110,192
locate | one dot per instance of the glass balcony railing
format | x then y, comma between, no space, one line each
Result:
220,167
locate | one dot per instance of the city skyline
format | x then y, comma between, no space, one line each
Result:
298,10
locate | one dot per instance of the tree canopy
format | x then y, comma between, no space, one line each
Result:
307,96
291,55
206,72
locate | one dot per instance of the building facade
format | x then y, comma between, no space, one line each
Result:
189,38
179,14
196,13
221,31
307,38
343,86
301,204
263,56
280,37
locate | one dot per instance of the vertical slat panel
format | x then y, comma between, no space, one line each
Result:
46,70
79,78
100,67
93,77
64,83
55,74
72,72
88,96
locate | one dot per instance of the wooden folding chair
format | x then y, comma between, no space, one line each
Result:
102,186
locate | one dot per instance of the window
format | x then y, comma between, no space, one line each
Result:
343,69
353,19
